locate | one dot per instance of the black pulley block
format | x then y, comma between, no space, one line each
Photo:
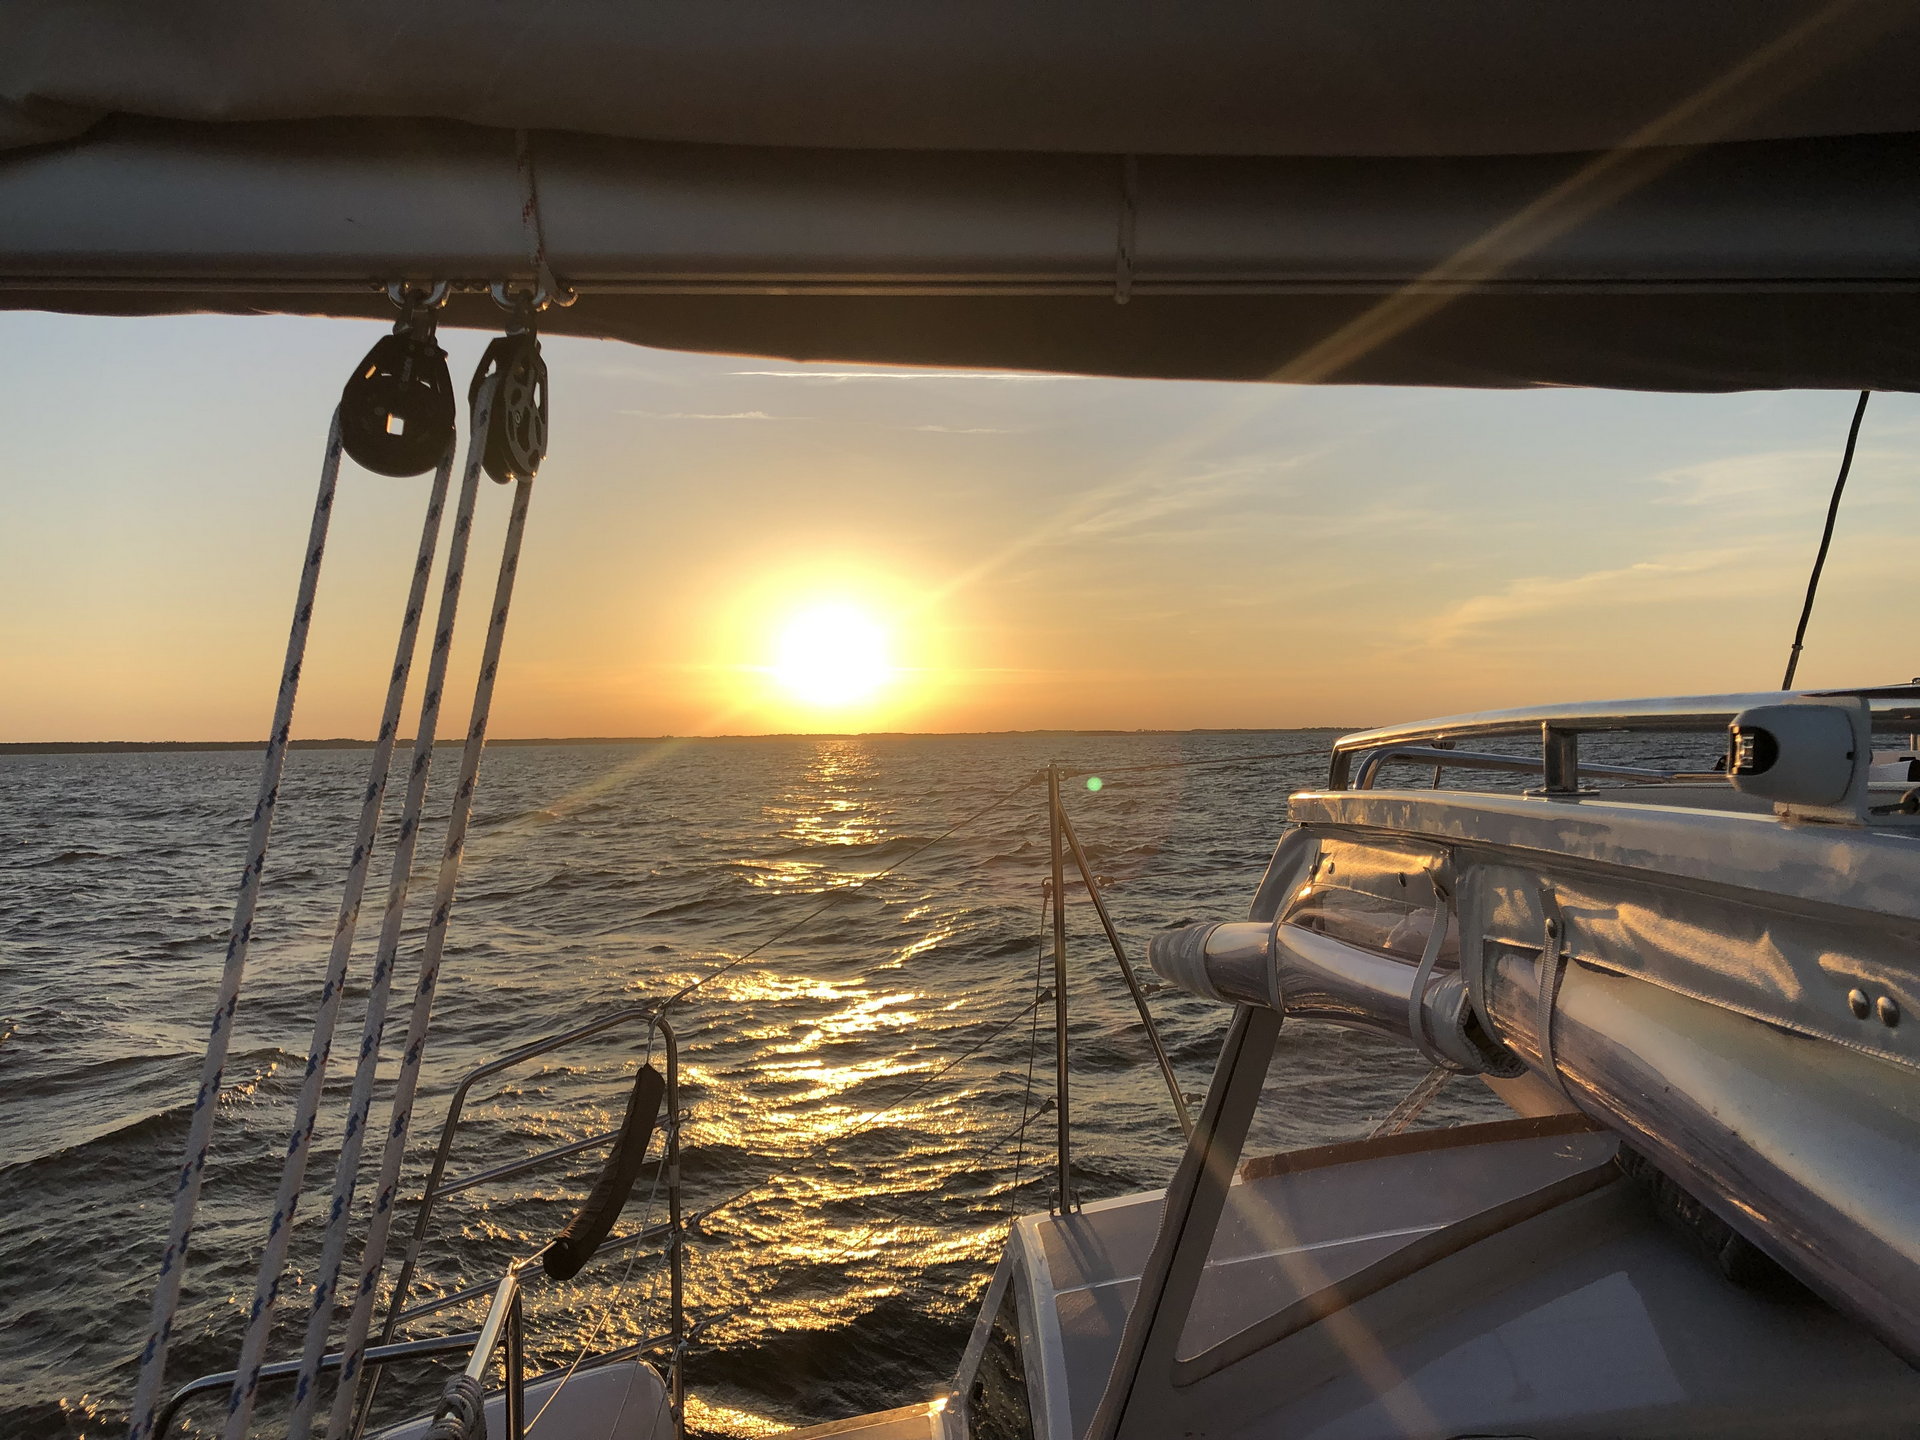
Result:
517,428
396,414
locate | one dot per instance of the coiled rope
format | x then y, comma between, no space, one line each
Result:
407,1080
462,1413
186,1197
360,1101
293,1171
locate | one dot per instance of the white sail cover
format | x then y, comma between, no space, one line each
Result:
1661,193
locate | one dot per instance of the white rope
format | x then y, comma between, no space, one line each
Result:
406,1082
531,220
1413,1104
360,1101
186,1197
273,1259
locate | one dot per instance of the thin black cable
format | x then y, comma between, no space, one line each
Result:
980,1158
1826,539
1195,764
878,1115
838,892
1033,1049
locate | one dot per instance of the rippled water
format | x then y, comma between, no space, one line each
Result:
598,876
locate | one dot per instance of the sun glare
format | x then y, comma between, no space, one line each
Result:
832,656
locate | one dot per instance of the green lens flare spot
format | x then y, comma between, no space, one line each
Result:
1094,782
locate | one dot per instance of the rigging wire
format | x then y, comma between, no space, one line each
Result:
849,1246
874,1119
1033,1047
1194,764
1826,539
186,1197
975,1162
840,892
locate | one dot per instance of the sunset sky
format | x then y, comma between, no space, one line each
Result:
994,551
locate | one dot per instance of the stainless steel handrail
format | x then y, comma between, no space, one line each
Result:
437,1186
1372,761
487,1287
532,1162
505,1318
1892,705
456,1104
290,1369
532,1050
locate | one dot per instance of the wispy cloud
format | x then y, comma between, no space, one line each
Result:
1768,482
837,377
1668,578
764,416
704,415
957,429
1148,504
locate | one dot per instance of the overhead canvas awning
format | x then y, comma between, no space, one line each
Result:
1477,192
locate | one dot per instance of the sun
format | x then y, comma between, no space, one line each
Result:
832,655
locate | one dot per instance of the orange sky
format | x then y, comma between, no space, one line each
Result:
1040,552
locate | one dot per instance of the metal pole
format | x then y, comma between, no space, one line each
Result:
1126,971
1061,1119
1559,760
516,1359
676,1269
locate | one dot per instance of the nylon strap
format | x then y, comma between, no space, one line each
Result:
1417,1026
1553,957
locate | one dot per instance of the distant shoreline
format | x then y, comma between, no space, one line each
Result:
140,747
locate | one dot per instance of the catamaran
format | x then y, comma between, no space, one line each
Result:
1695,987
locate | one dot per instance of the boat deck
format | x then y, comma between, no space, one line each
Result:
1590,1318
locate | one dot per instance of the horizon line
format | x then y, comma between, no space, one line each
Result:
75,747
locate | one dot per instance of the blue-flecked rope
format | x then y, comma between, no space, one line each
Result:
273,1258
407,1079
360,1100
186,1195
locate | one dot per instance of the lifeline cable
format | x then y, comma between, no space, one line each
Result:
360,1102
839,892
834,898
186,1198
874,1117
1033,1039
976,1161
273,1257
606,1313
406,1081
1194,764
1826,539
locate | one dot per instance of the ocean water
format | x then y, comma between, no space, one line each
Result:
871,1082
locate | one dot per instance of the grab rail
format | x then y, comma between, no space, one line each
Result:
1372,761
377,1355
1560,726
486,1287
438,1185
